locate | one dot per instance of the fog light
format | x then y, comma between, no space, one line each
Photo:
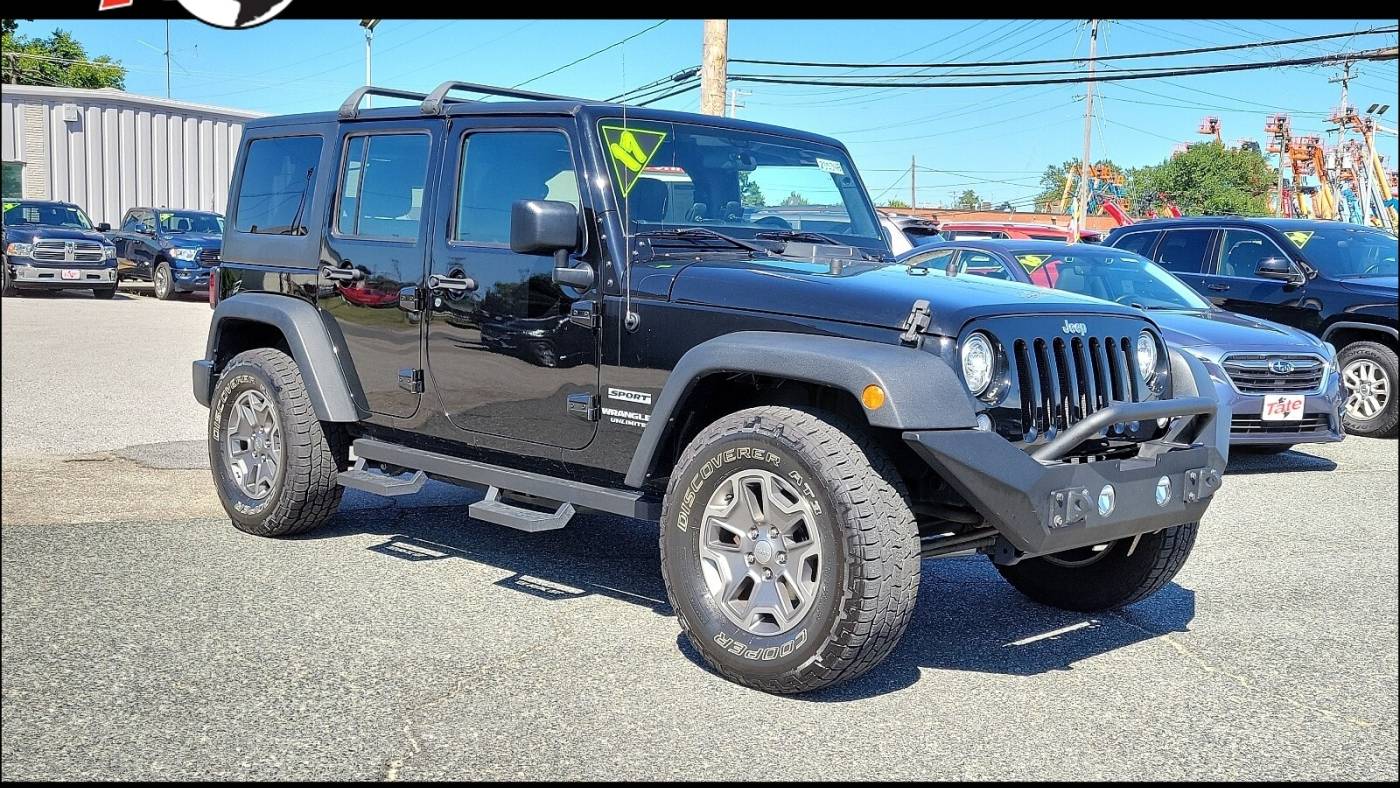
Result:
1107,499
1164,491
984,422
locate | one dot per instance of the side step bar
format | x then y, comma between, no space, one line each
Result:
493,509
372,481
626,502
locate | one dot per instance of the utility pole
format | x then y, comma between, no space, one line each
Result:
913,182
1082,199
714,66
734,101
167,58
368,25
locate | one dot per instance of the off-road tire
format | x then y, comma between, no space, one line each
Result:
870,563
107,293
1384,424
1115,580
305,494
162,269
7,287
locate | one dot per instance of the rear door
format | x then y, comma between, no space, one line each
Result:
510,353
375,249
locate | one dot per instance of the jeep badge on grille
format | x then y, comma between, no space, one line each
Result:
1075,328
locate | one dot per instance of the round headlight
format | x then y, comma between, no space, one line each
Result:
978,361
1146,354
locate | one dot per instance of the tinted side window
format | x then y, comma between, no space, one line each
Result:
131,222
279,178
381,185
499,168
1137,243
982,264
1184,251
1241,251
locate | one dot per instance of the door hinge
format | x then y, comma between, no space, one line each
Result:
583,406
584,313
915,323
411,380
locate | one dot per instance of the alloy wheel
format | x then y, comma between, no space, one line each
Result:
1368,389
253,444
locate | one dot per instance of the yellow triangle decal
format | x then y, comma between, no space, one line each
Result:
630,150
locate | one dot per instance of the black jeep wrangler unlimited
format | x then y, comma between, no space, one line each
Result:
806,419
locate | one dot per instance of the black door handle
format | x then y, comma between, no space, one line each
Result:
452,284
1218,288
346,274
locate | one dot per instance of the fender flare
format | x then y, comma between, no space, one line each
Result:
1341,325
921,390
331,387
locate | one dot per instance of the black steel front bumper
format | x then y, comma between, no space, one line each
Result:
1041,504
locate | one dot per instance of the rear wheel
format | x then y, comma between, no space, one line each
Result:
1105,576
1369,373
274,463
164,284
789,551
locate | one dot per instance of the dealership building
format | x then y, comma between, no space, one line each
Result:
107,151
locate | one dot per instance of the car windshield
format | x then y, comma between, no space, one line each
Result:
46,214
1347,251
191,222
745,185
1110,274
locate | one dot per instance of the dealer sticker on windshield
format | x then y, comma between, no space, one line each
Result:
1300,237
1030,262
831,166
1283,407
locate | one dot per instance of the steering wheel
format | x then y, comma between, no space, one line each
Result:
774,221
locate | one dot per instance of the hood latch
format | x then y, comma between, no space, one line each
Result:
915,324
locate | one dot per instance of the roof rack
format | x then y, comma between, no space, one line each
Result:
351,107
433,103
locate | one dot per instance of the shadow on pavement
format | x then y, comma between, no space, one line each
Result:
967,617
1297,459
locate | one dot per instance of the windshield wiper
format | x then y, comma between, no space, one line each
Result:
814,237
703,233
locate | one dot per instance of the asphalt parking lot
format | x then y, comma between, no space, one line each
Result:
143,637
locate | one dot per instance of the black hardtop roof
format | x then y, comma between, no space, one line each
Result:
1273,222
587,109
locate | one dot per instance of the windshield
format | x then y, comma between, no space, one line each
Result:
191,222
1110,274
742,184
46,214
1344,251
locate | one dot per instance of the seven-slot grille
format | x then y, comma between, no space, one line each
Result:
58,251
1261,373
1063,380
209,256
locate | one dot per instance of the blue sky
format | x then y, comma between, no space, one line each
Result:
993,140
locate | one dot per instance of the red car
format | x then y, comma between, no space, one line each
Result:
1019,230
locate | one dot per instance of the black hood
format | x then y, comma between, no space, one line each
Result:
879,294
27,233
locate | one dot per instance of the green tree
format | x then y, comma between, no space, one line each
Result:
58,60
749,193
968,200
1208,179
895,203
794,198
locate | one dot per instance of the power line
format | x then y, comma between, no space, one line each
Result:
1376,54
1136,55
592,54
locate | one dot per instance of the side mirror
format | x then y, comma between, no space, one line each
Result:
104,227
549,227
1275,268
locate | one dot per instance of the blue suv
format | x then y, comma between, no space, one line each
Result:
1334,280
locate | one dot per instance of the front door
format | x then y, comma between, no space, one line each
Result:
505,355
374,249
1236,287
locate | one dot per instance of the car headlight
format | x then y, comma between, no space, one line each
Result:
1147,355
185,254
20,250
978,362
109,253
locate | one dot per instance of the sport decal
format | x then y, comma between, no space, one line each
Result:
631,149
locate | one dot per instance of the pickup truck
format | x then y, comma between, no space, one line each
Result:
174,250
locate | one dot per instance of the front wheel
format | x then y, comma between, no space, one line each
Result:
789,550
107,293
1104,576
274,463
7,287
1369,373
163,284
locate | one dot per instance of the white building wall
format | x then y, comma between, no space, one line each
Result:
108,151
